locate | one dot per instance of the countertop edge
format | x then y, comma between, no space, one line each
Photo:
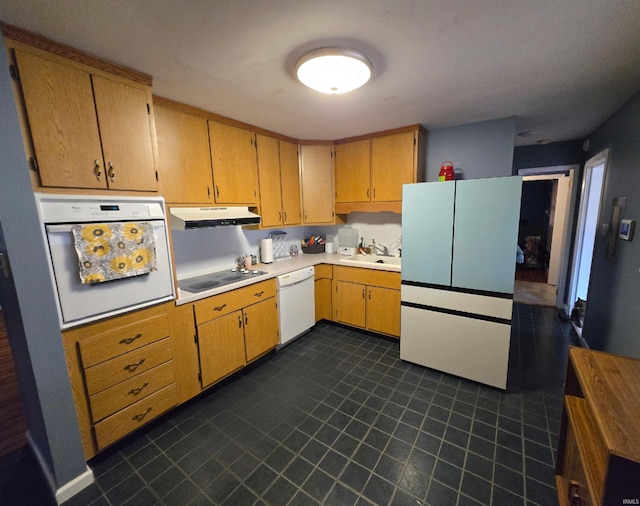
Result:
273,270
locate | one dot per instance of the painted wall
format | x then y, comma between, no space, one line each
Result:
612,318
40,359
548,155
477,150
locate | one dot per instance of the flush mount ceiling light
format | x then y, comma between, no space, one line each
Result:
333,70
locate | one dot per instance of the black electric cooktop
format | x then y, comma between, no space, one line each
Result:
217,279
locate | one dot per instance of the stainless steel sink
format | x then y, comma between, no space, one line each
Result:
381,262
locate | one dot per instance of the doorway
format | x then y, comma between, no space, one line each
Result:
544,235
586,232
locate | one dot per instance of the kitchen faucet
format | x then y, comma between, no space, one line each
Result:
381,248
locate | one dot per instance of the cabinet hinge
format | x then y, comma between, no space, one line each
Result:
414,141
15,75
157,176
148,109
33,164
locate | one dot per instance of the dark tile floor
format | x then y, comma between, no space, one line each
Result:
336,418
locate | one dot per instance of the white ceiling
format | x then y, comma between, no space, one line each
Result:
560,66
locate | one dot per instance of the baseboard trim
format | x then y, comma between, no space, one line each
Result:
69,489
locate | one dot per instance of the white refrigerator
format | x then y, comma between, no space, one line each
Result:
458,267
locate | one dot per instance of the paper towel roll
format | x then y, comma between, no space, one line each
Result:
266,251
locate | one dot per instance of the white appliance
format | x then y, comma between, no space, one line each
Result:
82,303
296,303
458,266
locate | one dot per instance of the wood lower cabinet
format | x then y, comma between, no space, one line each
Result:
598,459
235,328
316,170
221,344
122,374
323,292
367,298
234,163
89,129
184,159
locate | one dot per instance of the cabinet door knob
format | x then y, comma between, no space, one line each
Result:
217,192
285,217
208,192
239,321
574,494
111,172
363,293
367,192
97,170
246,319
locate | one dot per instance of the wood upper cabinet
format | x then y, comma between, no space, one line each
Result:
279,178
184,160
316,170
393,163
270,181
353,171
290,183
234,162
370,172
88,130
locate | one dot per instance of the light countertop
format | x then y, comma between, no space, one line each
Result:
277,268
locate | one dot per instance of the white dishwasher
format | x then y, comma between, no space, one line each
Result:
296,303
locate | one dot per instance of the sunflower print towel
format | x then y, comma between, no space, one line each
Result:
108,251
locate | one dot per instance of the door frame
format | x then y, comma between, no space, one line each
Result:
555,172
601,158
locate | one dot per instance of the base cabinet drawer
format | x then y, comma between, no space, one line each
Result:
123,394
131,418
127,366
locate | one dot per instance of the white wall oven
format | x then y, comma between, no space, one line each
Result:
108,255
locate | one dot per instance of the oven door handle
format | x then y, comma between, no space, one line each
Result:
67,228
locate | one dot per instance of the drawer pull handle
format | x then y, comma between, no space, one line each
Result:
574,494
136,391
140,416
220,308
129,340
133,367
259,294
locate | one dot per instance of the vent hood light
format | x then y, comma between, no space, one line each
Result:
189,218
333,70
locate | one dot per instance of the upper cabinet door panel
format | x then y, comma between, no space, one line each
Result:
290,174
123,116
235,168
392,165
63,123
269,176
317,183
184,161
353,171
427,232
486,233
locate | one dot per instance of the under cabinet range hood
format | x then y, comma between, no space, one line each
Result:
189,218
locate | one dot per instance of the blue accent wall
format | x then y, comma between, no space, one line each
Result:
612,319
477,150
548,155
